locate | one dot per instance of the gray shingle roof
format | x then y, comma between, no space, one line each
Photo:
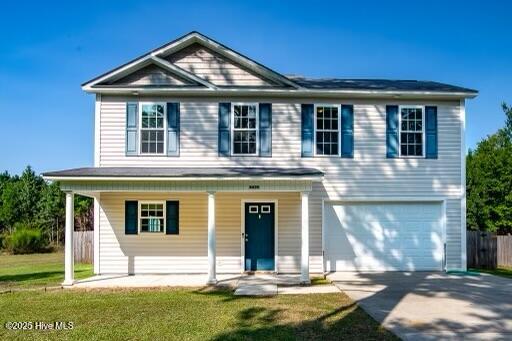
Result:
376,84
158,172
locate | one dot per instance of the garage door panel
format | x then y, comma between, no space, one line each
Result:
383,236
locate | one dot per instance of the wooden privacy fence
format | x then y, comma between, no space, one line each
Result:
505,251
488,250
83,246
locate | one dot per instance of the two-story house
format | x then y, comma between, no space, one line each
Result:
209,162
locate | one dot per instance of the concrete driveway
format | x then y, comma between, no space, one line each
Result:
426,305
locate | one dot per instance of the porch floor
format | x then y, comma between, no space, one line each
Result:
242,284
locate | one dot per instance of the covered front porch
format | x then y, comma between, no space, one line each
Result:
214,206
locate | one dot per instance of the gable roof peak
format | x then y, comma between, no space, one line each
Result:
183,42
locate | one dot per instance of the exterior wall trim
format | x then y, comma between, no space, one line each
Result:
242,229
96,234
282,92
323,233
387,199
97,130
463,240
188,186
69,179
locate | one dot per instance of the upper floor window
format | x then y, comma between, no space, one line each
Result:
327,130
152,128
245,129
412,131
152,217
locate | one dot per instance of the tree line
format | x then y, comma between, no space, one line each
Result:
29,202
489,181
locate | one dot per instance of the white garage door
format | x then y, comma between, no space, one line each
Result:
383,236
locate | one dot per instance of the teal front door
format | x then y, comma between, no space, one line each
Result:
259,237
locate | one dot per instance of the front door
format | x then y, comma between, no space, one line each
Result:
259,237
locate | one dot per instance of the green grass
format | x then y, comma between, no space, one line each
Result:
36,270
167,313
502,271
187,314
320,281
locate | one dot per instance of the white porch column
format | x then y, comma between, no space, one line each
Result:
304,269
68,251
96,234
212,276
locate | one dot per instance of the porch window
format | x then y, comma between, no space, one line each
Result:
152,129
411,131
152,217
245,129
327,135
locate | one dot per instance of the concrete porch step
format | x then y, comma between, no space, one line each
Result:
257,285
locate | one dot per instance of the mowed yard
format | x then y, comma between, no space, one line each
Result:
168,313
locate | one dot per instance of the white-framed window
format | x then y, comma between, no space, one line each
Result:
327,130
244,128
412,131
152,128
152,216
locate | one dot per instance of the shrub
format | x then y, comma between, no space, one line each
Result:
25,240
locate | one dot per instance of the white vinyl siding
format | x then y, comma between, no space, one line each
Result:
151,75
187,252
369,173
214,68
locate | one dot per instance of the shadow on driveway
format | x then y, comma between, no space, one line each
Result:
428,305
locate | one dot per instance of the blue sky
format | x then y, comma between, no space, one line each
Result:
47,49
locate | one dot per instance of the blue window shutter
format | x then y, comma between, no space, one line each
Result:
173,129
347,131
131,212
131,128
392,131
172,217
265,129
224,129
431,132
308,117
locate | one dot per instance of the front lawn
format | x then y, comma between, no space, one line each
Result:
36,270
502,271
191,314
167,313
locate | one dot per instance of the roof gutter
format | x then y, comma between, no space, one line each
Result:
276,92
178,178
